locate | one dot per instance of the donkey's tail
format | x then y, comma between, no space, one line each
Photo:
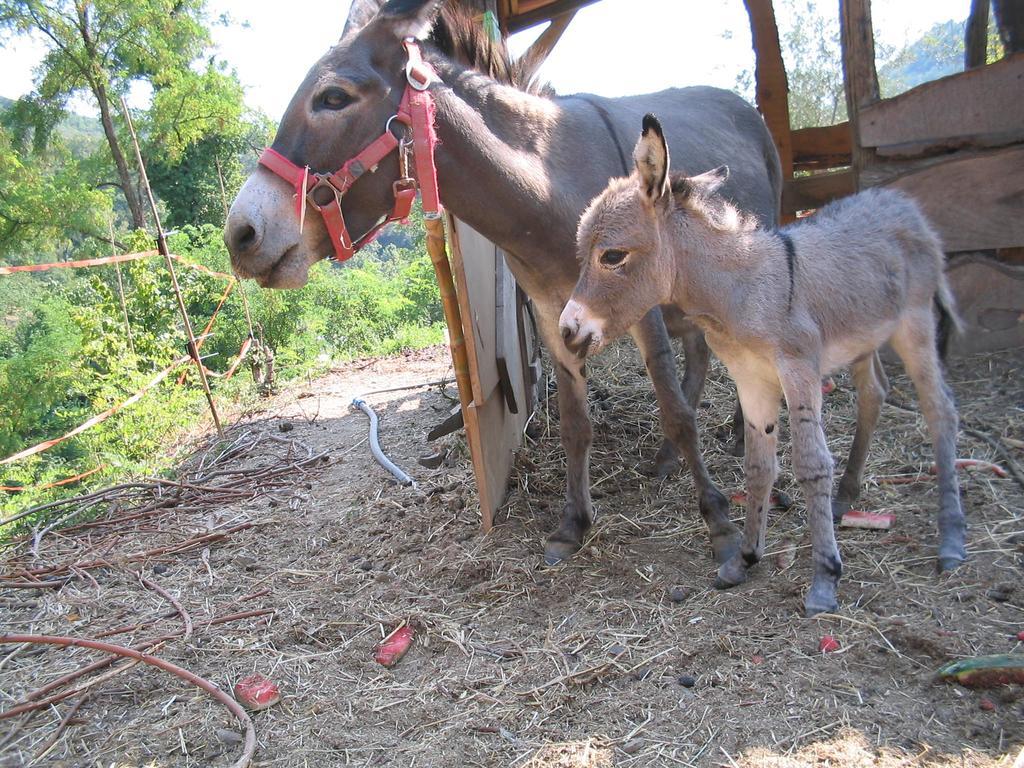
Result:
950,324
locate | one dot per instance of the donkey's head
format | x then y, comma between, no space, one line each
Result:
625,245
343,104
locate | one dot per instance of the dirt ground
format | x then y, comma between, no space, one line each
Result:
625,656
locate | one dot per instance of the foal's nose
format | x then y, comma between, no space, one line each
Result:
579,332
242,234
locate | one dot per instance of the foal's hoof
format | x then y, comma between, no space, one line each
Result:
821,598
738,447
665,463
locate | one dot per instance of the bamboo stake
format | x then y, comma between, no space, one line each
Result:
161,242
457,341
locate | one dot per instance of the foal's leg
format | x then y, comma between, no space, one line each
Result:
812,465
695,375
914,342
760,399
680,424
577,434
872,386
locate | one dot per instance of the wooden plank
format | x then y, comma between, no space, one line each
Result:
976,201
473,266
541,48
859,76
920,149
983,101
809,192
506,345
990,300
824,147
770,76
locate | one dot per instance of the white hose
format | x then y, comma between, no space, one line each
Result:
378,454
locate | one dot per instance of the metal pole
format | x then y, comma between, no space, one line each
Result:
161,243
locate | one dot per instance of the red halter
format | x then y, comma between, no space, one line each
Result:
416,112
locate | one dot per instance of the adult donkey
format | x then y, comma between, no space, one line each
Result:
518,167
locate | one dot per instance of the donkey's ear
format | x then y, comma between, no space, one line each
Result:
410,18
360,14
651,158
709,181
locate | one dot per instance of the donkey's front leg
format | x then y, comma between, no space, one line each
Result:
577,434
760,399
680,424
812,465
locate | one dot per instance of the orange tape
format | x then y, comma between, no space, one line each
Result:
98,417
65,481
241,356
81,263
110,260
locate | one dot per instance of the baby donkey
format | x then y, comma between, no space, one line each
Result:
780,309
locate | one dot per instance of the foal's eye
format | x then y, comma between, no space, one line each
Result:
613,257
333,98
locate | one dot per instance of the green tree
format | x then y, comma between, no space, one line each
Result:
101,47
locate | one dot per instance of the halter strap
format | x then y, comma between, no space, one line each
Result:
416,111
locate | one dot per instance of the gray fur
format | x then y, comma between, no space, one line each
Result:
865,271
518,168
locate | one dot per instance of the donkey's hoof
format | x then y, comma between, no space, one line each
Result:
665,463
725,545
732,573
559,549
738,447
840,508
948,563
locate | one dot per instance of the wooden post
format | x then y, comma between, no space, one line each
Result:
770,75
859,75
161,242
976,35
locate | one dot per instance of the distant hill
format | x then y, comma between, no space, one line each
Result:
939,52
81,133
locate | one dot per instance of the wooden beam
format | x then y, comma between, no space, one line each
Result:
538,11
859,76
825,147
975,200
770,74
983,101
976,35
541,48
809,192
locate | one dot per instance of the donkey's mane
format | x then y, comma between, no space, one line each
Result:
712,207
462,37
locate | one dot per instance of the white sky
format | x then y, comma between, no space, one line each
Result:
613,47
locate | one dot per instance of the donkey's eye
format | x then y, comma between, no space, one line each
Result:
333,98
613,257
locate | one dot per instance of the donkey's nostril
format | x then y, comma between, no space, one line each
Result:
244,237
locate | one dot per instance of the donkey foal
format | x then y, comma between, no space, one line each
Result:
780,309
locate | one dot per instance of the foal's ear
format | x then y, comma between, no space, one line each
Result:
651,158
709,181
410,18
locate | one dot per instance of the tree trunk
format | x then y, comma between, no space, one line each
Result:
127,184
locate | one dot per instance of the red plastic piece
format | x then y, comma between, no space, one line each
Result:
828,644
256,692
986,704
394,647
1020,635
857,518
828,386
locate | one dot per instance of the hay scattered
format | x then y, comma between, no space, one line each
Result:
624,656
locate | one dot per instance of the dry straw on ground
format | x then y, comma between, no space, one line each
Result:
295,565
